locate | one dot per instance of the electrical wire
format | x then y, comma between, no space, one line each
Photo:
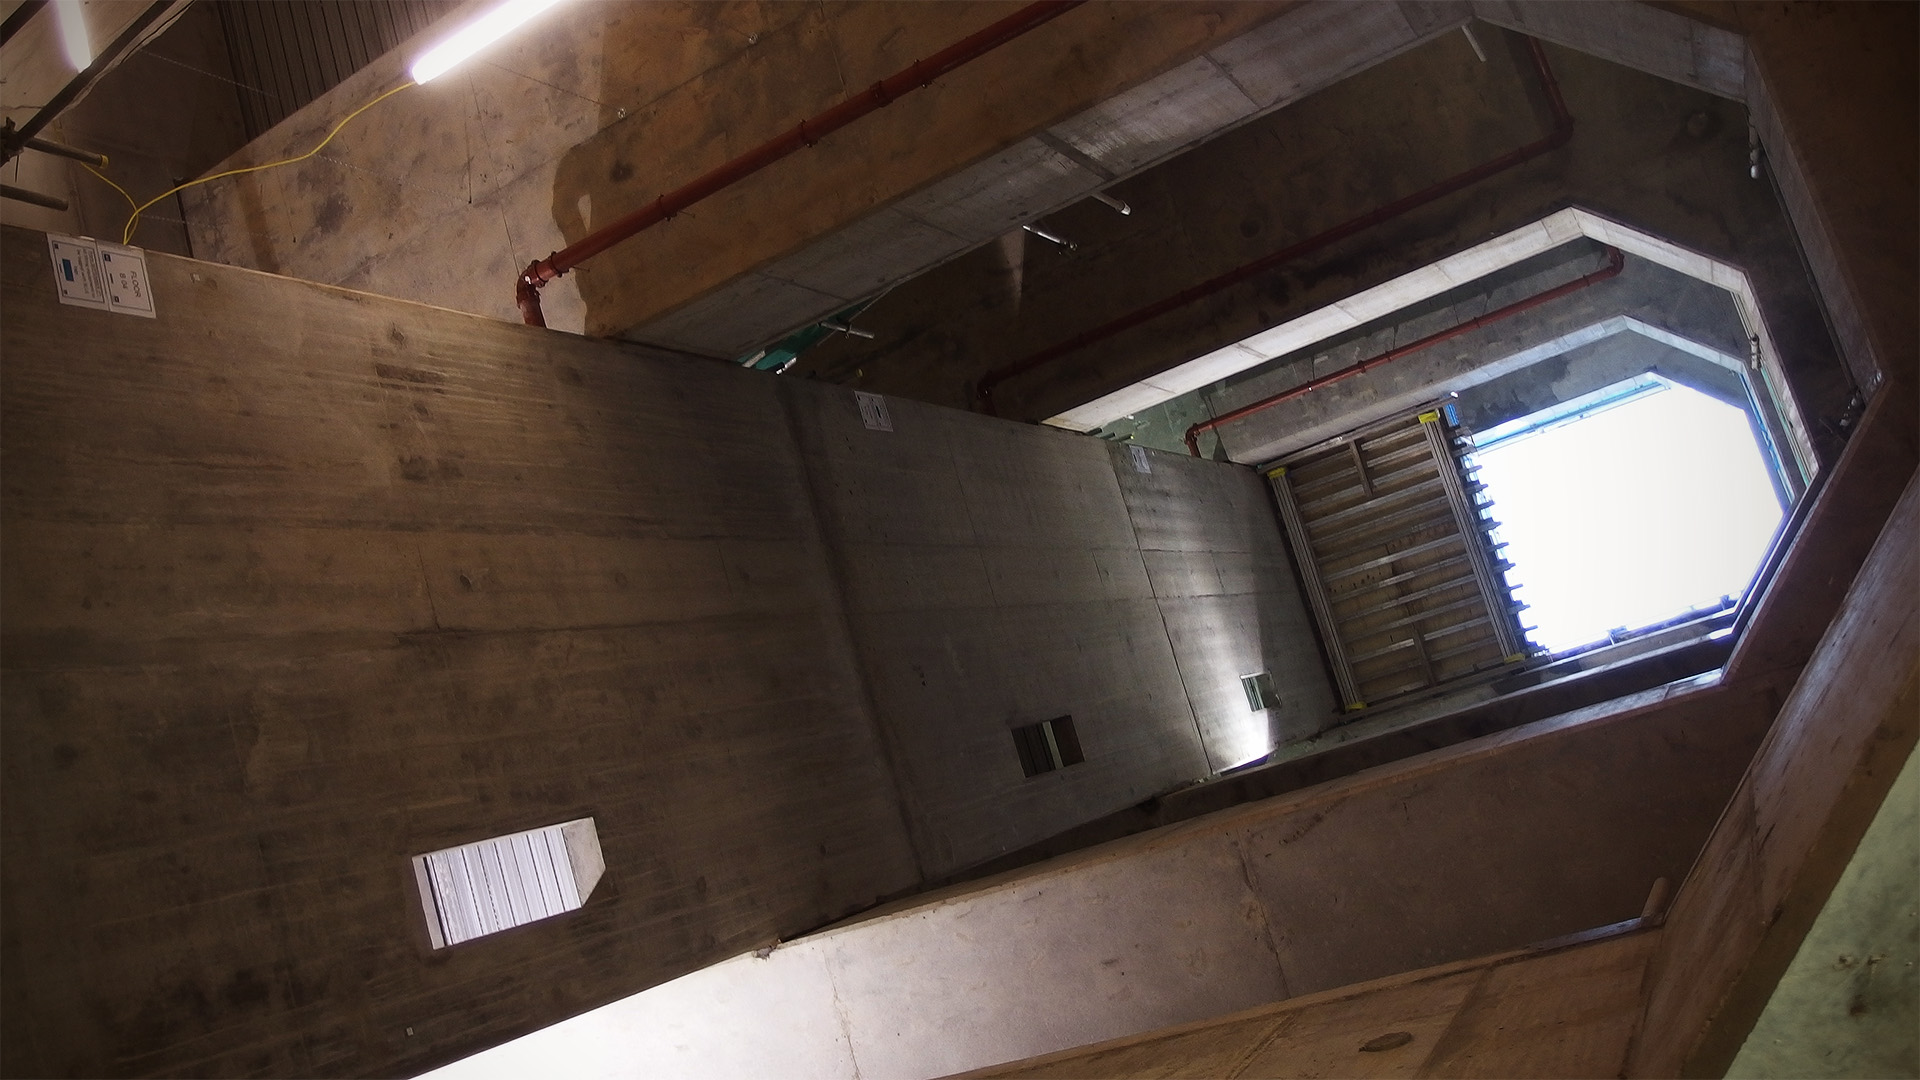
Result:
126,234
131,201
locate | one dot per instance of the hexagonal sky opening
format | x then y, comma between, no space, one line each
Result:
1613,401
1626,508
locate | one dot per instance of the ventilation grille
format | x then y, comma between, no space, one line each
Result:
493,885
1047,745
1261,695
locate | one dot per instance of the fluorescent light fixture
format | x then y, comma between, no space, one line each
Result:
73,33
490,27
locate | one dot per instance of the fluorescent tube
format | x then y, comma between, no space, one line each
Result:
474,36
73,33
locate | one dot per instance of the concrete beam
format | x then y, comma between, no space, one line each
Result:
1542,831
1842,736
1235,81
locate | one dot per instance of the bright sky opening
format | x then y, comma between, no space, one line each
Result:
1631,515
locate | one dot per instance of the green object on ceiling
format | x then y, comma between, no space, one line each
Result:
778,355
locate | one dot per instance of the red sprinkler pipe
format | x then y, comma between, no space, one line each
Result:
920,73
1615,261
1562,131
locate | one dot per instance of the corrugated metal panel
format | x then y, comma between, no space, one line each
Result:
286,53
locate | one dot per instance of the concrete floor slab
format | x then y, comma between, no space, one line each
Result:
964,985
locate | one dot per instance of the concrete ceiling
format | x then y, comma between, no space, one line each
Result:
1308,48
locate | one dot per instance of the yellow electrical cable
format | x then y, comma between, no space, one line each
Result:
131,201
126,234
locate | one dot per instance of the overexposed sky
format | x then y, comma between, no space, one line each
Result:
1632,515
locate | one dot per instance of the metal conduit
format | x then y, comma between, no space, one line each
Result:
1562,131
13,141
920,73
18,19
1615,263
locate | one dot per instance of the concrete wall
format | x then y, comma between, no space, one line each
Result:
168,110
1849,1002
1860,175
1595,366
1637,1005
300,582
1227,593
999,575
1835,101
601,108
1539,832
1549,829
1654,296
1816,783
1554,1011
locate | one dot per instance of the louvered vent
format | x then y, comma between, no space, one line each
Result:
493,885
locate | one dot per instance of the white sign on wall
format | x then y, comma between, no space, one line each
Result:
128,289
105,277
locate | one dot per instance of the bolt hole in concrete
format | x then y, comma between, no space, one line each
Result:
1625,508
1392,1040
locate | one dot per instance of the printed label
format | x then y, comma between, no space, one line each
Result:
104,277
128,291
76,271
